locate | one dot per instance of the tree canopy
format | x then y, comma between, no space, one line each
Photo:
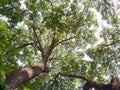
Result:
59,44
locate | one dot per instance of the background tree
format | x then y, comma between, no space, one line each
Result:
76,41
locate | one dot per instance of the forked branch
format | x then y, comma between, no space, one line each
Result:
51,47
38,44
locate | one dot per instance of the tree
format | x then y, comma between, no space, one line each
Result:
59,44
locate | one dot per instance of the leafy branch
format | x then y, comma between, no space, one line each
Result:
113,43
61,41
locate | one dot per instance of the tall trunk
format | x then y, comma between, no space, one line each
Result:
15,78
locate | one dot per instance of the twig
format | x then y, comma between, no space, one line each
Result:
26,44
54,78
75,76
111,43
64,40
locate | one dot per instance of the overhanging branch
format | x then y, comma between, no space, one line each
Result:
113,85
75,76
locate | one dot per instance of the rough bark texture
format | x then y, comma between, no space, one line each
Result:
113,85
15,78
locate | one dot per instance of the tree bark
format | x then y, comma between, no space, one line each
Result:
113,85
16,78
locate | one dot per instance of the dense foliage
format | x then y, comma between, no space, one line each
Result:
88,40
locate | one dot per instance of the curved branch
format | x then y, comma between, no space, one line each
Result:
75,76
113,85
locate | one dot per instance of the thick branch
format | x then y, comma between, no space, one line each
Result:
113,85
89,83
51,47
16,78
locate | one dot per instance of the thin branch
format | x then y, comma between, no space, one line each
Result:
52,81
27,44
61,41
109,5
61,58
75,76
111,43
39,45
54,78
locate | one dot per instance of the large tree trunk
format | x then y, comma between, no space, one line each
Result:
15,78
